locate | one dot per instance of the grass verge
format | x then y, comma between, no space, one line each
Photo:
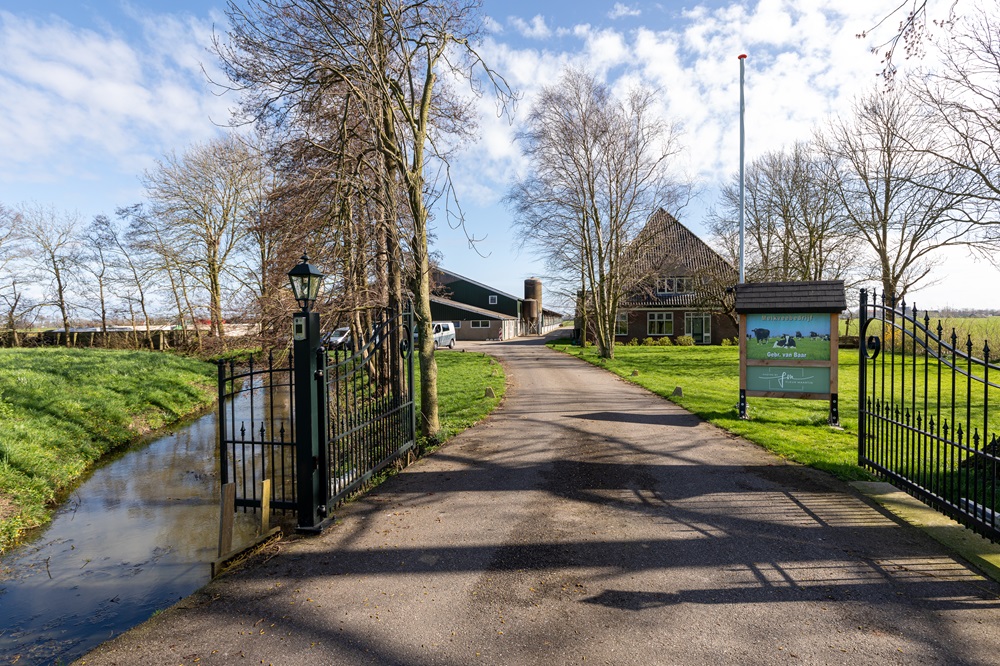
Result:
62,409
710,387
463,380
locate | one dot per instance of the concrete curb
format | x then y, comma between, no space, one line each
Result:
981,553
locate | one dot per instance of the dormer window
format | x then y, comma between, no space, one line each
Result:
675,285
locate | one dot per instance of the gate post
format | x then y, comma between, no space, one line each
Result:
862,377
310,499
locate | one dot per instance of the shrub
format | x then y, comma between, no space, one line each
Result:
648,342
634,342
726,342
665,341
684,341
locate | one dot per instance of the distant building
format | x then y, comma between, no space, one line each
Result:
481,312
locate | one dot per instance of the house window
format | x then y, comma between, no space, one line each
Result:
493,299
659,323
699,326
621,323
675,285
479,323
458,324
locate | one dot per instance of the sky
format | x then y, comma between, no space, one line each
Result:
92,92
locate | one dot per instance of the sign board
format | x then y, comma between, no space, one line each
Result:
789,340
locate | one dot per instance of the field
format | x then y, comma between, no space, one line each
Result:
979,329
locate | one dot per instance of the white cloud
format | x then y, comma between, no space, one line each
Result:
621,10
536,29
74,98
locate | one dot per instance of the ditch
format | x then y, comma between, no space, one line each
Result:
133,539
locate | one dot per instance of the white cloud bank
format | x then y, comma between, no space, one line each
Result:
76,101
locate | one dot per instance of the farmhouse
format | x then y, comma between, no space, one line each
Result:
679,288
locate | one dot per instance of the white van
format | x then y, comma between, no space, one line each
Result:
444,334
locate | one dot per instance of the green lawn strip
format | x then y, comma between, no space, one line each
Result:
463,378
62,409
709,381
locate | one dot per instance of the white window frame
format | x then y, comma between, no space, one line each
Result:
479,323
675,285
659,323
706,336
493,299
458,324
621,323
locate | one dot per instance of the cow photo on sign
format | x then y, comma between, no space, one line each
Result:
801,336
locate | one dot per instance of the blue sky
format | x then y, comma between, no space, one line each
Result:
92,92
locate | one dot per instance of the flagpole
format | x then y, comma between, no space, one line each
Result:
742,58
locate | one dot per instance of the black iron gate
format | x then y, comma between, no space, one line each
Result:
925,420
365,401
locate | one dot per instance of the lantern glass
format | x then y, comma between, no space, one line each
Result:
305,280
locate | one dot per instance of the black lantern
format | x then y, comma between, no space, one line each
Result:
305,279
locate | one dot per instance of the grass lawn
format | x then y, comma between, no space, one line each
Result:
62,409
463,378
710,384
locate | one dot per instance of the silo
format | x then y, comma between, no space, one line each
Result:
533,292
530,314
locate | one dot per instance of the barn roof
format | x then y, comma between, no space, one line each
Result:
814,296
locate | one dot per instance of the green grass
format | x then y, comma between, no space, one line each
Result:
710,385
62,409
462,381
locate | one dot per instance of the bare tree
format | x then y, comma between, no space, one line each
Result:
54,253
599,167
96,271
394,59
962,100
207,199
905,203
795,228
911,30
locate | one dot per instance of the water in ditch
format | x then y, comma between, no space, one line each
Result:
133,539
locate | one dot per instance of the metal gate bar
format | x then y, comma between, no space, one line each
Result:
257,430
367,416
921,424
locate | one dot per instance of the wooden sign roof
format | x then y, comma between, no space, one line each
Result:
815,296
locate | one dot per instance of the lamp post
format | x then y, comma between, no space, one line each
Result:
312,486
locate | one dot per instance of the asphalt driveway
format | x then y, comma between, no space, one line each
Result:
588,521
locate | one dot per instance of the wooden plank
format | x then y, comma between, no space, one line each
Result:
835,351
781,363
227,517
743,352
781,394
265,506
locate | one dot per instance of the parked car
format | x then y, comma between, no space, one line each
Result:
444,334
337,338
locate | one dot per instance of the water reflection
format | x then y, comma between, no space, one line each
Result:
133,539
